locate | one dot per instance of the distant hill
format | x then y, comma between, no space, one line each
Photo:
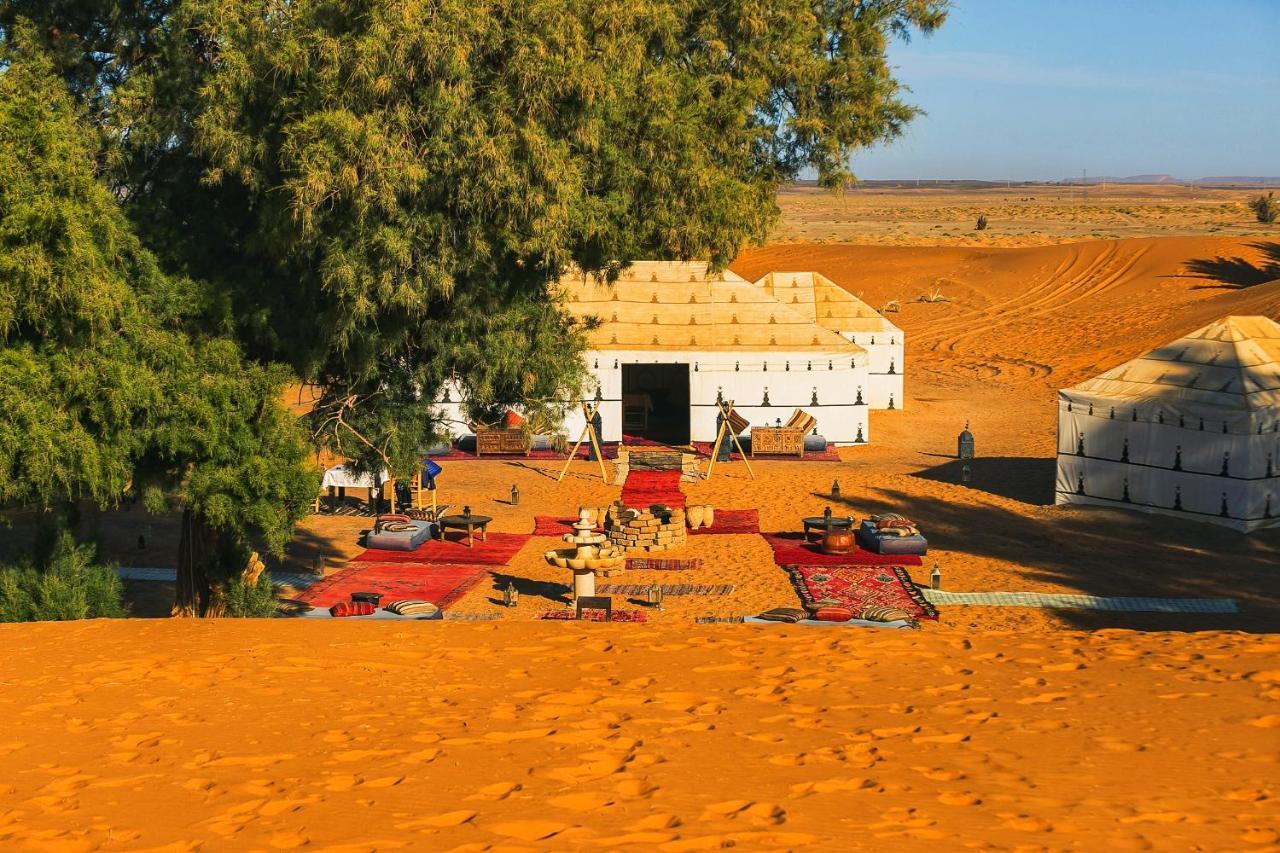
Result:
1217,181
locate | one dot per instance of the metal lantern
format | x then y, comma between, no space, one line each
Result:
466,512
835,489
935,578
515,495
654,595
966,472
964,444
510,595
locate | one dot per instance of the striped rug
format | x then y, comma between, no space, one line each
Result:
1066,601
667,589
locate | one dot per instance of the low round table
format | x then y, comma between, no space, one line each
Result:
469,523
822,524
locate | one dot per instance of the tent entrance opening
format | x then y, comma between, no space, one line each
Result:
655,402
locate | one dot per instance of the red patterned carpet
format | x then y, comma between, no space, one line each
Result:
856,587
731,521
497,551
644,488
790,549
440,584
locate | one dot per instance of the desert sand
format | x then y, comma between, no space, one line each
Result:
996,728
234,735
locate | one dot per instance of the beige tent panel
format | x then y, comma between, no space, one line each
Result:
1233,363
679,306
827,303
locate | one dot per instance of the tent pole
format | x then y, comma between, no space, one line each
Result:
595,443
576,445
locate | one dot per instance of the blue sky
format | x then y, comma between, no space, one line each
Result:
1041,89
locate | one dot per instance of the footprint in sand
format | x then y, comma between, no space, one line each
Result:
528,830
496,791
582,802
440,821
958,798
761,814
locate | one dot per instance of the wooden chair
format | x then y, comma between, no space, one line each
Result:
785,440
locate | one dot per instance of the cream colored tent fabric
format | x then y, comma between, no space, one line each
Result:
831,306
680,306
1191,428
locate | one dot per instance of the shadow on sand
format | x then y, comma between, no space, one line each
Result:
1023,479
1237,273
1097,551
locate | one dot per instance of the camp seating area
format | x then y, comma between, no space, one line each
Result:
785,440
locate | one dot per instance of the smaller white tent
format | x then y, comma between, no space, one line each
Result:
1190,429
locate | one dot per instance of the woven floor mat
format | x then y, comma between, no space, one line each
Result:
667,589
1065,601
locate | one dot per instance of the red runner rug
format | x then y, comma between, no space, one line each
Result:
651,564
856,587
497,551
732,521
790,549
594,616
645,488
442,585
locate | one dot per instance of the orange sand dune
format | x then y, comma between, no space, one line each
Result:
235,735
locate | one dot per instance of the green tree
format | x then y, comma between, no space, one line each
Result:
1265,208
110,378
383,191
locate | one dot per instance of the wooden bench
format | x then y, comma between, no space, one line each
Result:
785,440
500,440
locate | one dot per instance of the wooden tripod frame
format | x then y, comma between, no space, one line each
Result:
725,409
588,431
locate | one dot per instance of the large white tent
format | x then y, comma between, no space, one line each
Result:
1190,429
687,337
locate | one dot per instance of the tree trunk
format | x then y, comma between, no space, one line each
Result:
195,594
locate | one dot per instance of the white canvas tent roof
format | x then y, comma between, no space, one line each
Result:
680,306
826,303
1233,363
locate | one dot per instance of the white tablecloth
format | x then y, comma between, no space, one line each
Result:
339,476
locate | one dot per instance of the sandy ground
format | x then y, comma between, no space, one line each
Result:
234,735
1018,215
995,728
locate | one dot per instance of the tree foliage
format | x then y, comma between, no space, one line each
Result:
382,191
1265,208
110,377
66,583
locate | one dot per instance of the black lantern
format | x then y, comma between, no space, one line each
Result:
964,443
515,495
510,595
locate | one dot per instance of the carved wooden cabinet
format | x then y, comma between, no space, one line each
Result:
777,441
500,440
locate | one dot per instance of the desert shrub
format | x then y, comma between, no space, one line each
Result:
251,600
1266,208
893,306
68,584
982,222
934,295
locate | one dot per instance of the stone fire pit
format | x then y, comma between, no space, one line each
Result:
650,529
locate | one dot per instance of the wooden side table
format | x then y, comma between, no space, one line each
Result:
469,523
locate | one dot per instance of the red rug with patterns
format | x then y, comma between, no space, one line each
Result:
594,616
442,585
856,587
790,549
703,449
552,525
610,451
732,521
644,488
497,551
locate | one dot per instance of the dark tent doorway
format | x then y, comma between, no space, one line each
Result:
655,403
